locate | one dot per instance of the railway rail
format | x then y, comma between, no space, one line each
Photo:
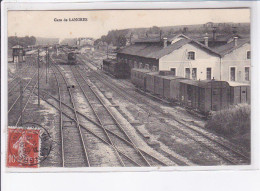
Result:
14,83
20,73
71,136
140,158
27,91
80,129
225,150
106,118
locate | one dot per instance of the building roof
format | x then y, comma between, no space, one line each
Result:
157,39
229,47
167,50
148,39
17,46
219,38
157,51
142,50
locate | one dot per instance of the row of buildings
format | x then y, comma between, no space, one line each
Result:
220,57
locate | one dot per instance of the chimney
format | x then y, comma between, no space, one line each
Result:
214,33
160,34
206,40
164,42
235,41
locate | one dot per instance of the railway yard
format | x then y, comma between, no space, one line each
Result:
96,120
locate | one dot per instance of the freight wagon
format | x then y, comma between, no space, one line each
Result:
171,88
138,78
203,96
112,67
239,93
150,86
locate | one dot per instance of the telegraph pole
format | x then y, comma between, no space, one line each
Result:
38,78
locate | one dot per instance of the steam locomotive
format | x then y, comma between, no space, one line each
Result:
72,58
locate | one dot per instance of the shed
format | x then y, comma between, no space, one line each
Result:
18,53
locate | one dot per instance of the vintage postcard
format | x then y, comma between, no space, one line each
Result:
128,88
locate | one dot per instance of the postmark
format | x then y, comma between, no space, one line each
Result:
28,145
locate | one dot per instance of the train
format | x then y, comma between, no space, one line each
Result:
202,96
72,58
112,67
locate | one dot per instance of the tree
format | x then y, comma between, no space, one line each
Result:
121,41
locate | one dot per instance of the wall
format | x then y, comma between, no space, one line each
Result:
203,59
237,59
132,59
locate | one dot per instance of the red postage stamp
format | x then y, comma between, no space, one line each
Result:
23,148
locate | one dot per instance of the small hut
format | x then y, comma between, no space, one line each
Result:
18,54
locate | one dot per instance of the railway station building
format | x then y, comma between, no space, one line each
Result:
235,60
189,58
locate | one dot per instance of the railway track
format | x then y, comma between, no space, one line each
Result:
108,121
74,153
218,146
72,114
126,151
27,92
20,74
14,83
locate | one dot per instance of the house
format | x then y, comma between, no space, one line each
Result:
189,58
235,60
179,54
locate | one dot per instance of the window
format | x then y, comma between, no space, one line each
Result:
194,73
247,73
187,73
191,55
232,74
248,54
173,70
208,73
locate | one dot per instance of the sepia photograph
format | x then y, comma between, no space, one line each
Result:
128,88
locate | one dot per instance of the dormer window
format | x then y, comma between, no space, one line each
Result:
191,55
248,54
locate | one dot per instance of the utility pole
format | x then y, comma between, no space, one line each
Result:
21,101
38,78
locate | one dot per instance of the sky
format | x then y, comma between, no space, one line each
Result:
42,24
